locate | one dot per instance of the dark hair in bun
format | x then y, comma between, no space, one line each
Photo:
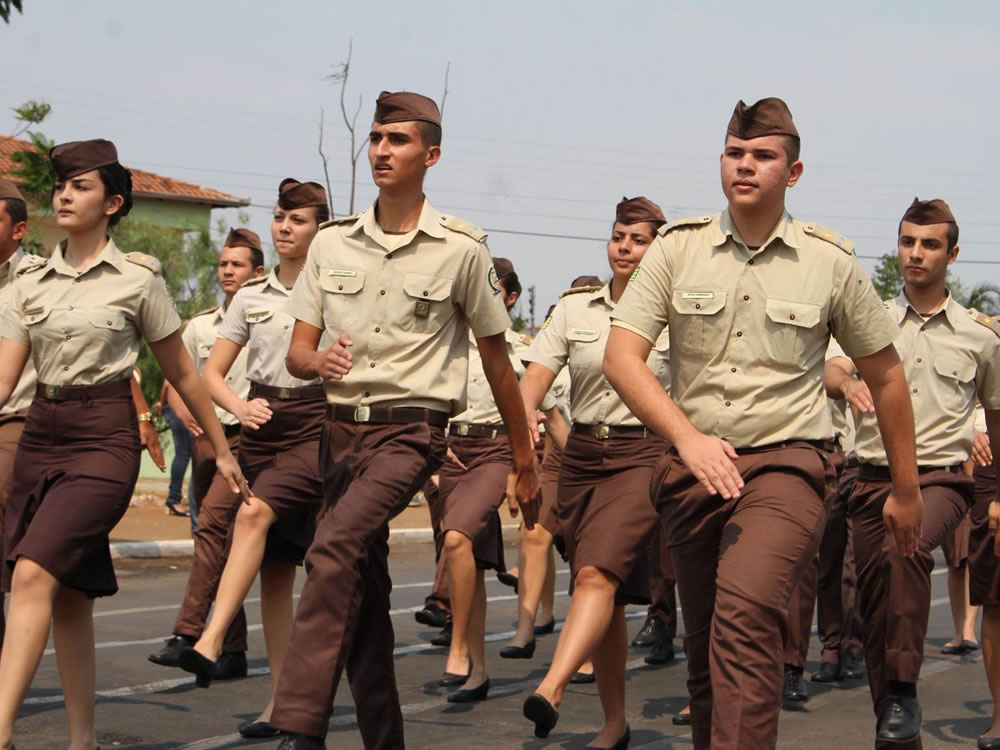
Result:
117,181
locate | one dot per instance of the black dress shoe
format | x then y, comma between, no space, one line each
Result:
970,646
170,653
851,668
231,665
301,742
540,711
432,616
988,743
662,653
652,632
453,679
583,678
953,648
200,666
547,628
621,744
472,695
507,579
681,720
443,638
255,729
794,696
900,721
518,652
827,672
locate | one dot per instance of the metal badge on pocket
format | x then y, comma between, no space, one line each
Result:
423,309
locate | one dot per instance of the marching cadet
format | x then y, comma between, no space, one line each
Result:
81,317
660,627
751,296
605,515
398,287
13,227
241,259
950,355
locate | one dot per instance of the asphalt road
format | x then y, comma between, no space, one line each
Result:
141,705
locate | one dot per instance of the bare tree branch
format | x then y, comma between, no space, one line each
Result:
340,76
326,170
444,96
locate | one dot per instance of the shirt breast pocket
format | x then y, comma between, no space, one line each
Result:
789,330
342,298
698,323
428,302
259,323
585,349
106,333
955,376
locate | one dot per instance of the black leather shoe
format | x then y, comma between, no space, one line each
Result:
583,678
507,579
953,648
851,668
540,711
794,696
432,616
900,721
621,744
255,729
681,720
662,653
170,653
827,672
547,628
518,652
988,743
453,679
472,695
301,742
652,632
231,665
200,666
443,638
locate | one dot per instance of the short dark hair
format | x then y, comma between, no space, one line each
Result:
17,209
117,181
256,257
429,132
951,236
322,213
792,148
511,283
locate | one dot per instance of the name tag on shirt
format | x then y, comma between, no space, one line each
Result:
697,295
339,272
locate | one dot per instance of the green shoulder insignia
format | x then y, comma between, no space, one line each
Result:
694,221
823,233
579,290
338,220
255,280
29,263
457,225
146,261
985,320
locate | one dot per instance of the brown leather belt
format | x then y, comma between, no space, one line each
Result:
875,473
606,431
476,430
82,392
386,415
302,393
828,446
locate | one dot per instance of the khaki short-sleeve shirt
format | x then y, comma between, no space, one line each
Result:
948,358
199,337
257,320
482,407
408,303
575,336
24,391
84,328
749,328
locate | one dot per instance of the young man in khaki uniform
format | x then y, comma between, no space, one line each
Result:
751,297
398,287
241,259
950,354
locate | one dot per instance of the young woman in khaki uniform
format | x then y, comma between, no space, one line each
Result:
81,317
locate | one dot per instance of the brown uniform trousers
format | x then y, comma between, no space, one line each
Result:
984,564
217,507
662,582
895,591
440,595
11,427
737,562
370,473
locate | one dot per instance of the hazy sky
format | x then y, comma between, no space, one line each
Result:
554,110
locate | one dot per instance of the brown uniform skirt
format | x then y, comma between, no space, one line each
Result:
605,512
472,495
548,514
75,469
984,565
281,464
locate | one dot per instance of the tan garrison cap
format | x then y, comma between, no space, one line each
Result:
9,190
403,106
634,210
75,158
934,211
503,267
243,238
769,116
295,194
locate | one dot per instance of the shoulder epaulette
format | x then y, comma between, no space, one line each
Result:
30,263
694,221
457,225
823,233
525,339
255,280
579,290
338,220
146,261
206,311
985,320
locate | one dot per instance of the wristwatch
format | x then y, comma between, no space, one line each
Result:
146,416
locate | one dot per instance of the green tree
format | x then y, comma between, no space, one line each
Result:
6,6
984,296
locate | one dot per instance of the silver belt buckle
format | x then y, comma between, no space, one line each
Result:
463,430
284,393
602,432
51,391
362,414
493,434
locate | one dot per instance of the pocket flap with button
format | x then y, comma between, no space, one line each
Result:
342,280
427,286
802,314
582,335
258,316
35,315
698,301
950,367
112,320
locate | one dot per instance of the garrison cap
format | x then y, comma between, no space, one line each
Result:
769,116
934,211
75,158
503,267
295,194
243,238
635,210
9,190
403,106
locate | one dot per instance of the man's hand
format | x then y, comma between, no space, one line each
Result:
255,413
227,466
334,363
151,442
902,519
524,493
994,518
856,393
157,408
450,456
982,454
710,459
